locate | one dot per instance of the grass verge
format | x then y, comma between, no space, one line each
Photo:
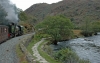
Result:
20,55
45,55
77,33
34,41
31,44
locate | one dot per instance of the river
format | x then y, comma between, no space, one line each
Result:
87,48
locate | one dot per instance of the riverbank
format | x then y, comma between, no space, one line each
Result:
86,49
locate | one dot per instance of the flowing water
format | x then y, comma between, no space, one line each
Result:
86,48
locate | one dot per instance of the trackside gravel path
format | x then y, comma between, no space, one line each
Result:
36,53
8,50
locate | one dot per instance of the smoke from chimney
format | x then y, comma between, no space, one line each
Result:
12,14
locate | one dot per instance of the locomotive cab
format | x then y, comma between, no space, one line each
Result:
11,29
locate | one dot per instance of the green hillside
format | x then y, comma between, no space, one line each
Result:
76,10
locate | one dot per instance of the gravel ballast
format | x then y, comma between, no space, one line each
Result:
8,50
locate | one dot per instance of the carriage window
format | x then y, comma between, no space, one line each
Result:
5,30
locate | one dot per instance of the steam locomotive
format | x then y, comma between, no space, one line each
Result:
9,31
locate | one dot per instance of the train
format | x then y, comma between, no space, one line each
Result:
9,31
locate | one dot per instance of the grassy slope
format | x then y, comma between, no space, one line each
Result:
45,55
20,55
31,44
42,53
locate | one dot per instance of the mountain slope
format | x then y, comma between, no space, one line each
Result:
77,10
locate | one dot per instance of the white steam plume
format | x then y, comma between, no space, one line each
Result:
11,10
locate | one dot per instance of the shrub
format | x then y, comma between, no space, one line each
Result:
68,56
87,33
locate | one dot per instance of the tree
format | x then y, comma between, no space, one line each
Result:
58,27
27,21
87,27
22,16
3,15
96,27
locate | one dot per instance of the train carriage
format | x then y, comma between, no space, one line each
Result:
3,33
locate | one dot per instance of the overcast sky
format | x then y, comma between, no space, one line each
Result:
24,4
